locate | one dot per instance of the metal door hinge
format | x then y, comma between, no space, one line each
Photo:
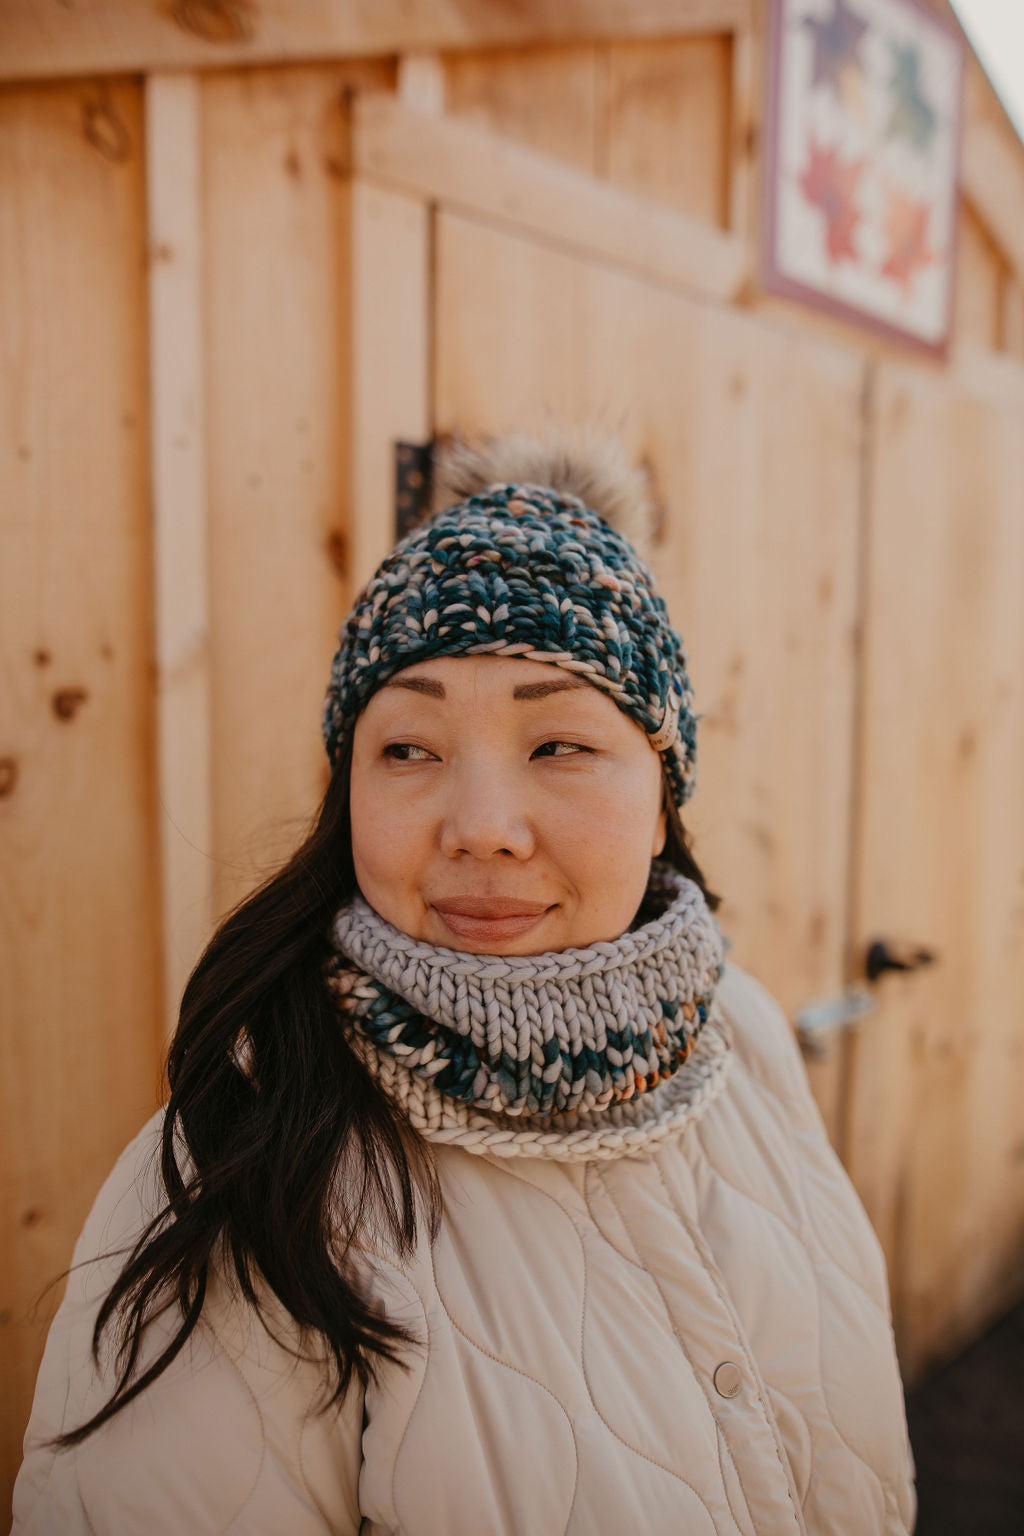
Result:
820,1022
414,477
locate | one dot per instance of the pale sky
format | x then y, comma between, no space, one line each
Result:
996,32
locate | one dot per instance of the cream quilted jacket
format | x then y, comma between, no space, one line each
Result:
690,1341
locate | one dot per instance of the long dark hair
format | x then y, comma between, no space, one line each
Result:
265,1096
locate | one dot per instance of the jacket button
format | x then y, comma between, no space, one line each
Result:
727,1379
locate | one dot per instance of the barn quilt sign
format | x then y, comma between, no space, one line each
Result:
861,163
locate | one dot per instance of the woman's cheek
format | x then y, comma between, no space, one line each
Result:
592,824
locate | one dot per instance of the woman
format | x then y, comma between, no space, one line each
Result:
488,1197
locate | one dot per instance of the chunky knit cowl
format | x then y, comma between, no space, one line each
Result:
577,1051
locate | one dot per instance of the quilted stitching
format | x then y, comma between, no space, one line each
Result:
731,1479
800,1107
792,1207
613,1300
568,1213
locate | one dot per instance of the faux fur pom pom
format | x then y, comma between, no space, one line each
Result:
582,461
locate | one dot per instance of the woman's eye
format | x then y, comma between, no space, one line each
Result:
572,746
409,752
403,752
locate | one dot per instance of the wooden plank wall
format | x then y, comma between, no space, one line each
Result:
92,795
182,661
147,35
276,237
289,488
651,117
80,968
936,1080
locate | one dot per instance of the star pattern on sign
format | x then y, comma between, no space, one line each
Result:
836,41
913,116
829,183
906,232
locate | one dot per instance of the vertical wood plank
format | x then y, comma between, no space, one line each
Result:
992,166
389,358
1012,317
420,82
80,978
276,221
178,438
977,316
745,110
669,130
937,1075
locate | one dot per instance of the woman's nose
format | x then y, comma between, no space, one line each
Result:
486,814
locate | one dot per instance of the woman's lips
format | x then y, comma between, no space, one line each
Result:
481,918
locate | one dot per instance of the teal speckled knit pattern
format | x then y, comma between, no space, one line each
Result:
573,1029
522,570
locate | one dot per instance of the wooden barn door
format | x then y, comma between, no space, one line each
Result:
935,1130
840,542
752,434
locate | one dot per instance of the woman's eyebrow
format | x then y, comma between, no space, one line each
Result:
417,685
541,690
435,689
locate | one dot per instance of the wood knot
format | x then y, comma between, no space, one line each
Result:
337,551
67,702
216,21
104,130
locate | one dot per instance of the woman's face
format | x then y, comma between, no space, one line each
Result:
502,806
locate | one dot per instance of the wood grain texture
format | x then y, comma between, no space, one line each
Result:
420,81
277,236
180,533
937,1076
1012,317
992,166
752,434
44,38
551,98
389,359
746,98
459,165
650,117
79,928
461,276
668,129
980,274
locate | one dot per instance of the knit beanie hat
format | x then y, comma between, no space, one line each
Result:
523,556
